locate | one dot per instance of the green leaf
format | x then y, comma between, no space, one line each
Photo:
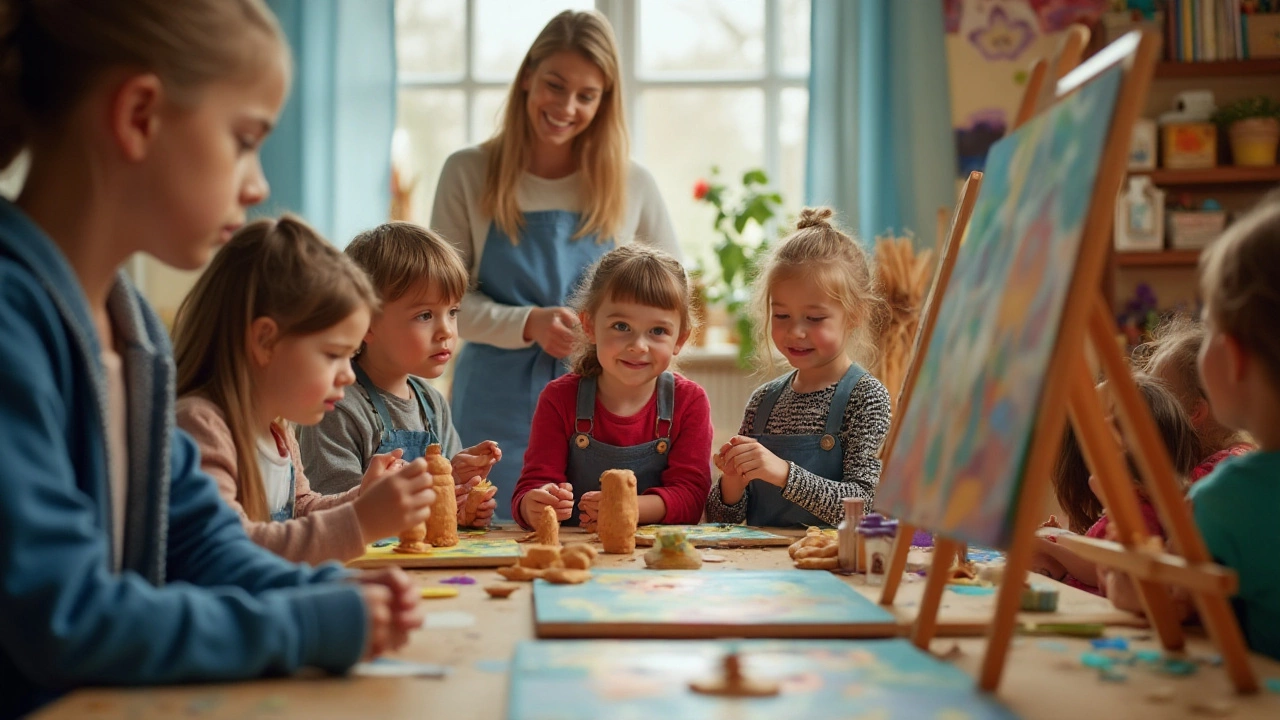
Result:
755,177
740,222
746,340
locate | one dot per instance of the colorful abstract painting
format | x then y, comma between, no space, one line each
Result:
576,679
956,468
716,535
472,551
707,603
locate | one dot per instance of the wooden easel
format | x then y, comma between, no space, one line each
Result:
1069,391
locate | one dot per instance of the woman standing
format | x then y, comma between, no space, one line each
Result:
530,210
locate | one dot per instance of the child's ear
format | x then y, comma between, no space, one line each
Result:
588,327
681,340
1201,413
1237,359
263,334
135,114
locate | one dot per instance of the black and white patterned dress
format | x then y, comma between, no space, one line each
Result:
866,422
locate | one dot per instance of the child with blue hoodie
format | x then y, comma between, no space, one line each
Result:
119,562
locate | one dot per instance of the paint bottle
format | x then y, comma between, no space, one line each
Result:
847,534
877,536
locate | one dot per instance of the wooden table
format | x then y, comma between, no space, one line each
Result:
1043,676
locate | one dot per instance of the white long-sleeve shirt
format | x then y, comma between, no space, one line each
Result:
457,216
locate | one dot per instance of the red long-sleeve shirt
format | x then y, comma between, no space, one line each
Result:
685,482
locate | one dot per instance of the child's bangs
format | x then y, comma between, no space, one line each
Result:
646,283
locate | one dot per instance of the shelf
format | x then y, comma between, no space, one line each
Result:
1164,258
1222,175
1218,68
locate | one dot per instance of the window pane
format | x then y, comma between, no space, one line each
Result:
431,125
729,132
486,116
429,36
698,36
793,132
795,36
506,28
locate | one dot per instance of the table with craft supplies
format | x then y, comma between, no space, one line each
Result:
460,663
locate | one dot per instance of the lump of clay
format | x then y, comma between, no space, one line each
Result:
815,551
672,551
541,557
442,525
475,498
578,556
500,590
619,512
565,576
546,529
520,573
813,538
733,683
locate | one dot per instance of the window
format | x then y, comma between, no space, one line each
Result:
708,82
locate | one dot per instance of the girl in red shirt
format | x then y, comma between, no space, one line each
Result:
620,407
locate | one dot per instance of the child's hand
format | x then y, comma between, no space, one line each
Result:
406,609
475,461
382,635
484,512
380,465
397,501
559,497
753,461
589,508
1052,522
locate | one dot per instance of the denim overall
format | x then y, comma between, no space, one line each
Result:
495,390
822,455
413,442
589,458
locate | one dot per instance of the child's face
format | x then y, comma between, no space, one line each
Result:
634,342
1218,361
204,170
807,327
303,375
564,93
415,334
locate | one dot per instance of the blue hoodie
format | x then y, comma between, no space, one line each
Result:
196,599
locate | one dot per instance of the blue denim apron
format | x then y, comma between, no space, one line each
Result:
589,458
495,390
413,442
822,455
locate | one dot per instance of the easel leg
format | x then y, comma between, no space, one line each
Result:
944,553
897,564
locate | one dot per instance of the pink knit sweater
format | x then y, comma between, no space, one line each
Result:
324,527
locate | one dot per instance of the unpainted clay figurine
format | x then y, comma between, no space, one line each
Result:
442,524
733,683
541,557
565,576
672,551
619,512
411,540
815,551
475,498
520,573
547,528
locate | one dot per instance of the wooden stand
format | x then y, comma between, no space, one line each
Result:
1069,391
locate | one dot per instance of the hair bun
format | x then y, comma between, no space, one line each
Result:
814,216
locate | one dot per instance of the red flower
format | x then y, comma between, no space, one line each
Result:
700,189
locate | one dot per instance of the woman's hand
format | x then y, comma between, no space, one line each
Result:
552,329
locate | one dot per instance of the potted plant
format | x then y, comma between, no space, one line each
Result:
737,209
1253,125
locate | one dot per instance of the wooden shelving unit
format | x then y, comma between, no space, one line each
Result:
1221,175
1162,258
1218,68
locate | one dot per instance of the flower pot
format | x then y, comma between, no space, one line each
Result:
1254,141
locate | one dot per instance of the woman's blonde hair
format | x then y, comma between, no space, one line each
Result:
399,256
280,269
601,149
1238,281
630,273
838,266
51,52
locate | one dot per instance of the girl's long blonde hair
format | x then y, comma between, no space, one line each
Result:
630,273
281,269
838,266
601,150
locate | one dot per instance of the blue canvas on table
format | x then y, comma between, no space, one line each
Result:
956,468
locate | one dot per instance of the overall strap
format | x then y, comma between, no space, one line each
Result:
586,404
379,406
666,403
835,416
767,402
425,404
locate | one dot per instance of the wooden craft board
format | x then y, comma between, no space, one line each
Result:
716,535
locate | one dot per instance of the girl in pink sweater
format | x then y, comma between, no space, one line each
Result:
265,339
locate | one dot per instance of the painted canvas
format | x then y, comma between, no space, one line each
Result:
721,535
578,679
957,465
707,604
472,551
